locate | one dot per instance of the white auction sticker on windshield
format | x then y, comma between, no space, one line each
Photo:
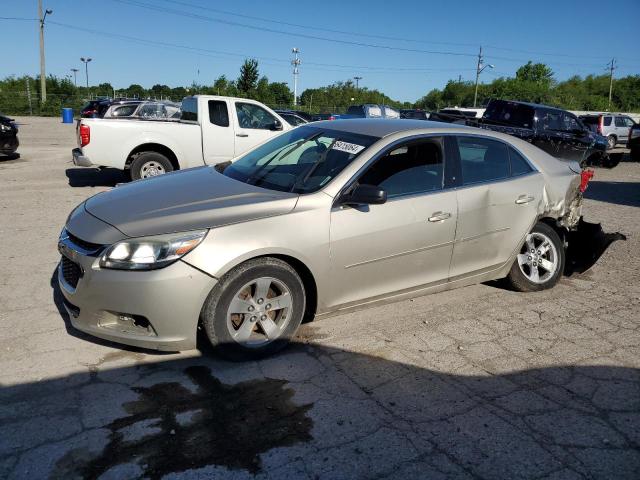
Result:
347,147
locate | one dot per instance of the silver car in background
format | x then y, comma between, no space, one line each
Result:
614,126
325,218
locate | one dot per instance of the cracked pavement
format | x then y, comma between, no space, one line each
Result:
478,382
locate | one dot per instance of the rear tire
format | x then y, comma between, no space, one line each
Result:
255,309
149,164
540,262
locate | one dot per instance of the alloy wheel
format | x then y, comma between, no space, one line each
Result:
538,259
259,312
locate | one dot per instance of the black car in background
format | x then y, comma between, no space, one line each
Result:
634,142
97,108
414,114
294,118
558,132
8,136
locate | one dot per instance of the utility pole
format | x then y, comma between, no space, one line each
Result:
75,71
26,80
357,79
295,62
43,79
612,67
86,68
480,67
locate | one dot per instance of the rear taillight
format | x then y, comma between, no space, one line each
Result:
585,177
85,135
600,122
332,117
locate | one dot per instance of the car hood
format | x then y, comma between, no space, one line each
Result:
193,199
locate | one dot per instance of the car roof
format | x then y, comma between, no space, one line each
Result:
530,104
381,127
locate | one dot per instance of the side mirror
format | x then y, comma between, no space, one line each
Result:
276,125
365,195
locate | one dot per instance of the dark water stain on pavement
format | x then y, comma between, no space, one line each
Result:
171,429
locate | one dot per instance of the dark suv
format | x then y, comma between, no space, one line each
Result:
558,132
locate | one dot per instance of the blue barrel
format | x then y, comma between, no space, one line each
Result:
67,115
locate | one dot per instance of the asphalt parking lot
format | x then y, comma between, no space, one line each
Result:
479,382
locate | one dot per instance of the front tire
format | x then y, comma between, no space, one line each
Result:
540,262
150,164
255,309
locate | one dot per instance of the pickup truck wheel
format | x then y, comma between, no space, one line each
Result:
255,309
149,164
540,262
612,141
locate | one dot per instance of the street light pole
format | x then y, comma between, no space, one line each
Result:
480,67
75,71
357,79
43,76
86,68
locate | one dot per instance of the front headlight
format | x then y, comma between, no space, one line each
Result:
4,127
149,253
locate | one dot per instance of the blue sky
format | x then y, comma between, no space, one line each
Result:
560,33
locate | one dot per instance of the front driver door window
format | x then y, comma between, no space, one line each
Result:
407,241
254,126
254,117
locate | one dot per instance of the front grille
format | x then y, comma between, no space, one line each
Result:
71,271
83,244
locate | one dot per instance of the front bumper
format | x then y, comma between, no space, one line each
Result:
79,159
156,309
9,144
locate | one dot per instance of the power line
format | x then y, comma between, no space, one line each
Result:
314,27
280,32
209,52
20,18
366,35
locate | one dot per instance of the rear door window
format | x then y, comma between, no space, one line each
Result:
189,109
218,113
550,120
607,121
482,160
519,165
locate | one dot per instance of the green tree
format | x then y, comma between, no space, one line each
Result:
248,79
535,72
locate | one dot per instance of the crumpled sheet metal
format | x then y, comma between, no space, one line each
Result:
567,208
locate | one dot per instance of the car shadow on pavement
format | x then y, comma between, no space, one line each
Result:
96,177
314,411
620,193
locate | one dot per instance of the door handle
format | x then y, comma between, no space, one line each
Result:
242,134
522,199
439,216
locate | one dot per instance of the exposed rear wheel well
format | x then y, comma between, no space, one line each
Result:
553,223
153,147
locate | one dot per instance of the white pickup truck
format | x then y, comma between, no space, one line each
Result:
211,130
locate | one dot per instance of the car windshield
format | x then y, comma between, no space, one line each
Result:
302,160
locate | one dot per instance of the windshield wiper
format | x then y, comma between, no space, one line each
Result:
301,181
